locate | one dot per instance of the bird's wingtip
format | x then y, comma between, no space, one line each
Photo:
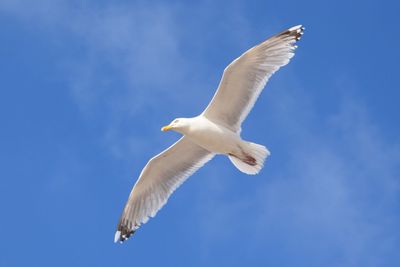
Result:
296,31
117,236
123,233
297,28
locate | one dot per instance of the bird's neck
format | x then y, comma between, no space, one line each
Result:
187,127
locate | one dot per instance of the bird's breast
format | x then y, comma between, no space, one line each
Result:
213,137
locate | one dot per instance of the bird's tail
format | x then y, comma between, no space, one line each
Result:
252,158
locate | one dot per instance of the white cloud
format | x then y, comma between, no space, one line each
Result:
335,186
129,59
334,191
129,62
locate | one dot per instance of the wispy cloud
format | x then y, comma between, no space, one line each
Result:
330,192
332,195
151,57
137,44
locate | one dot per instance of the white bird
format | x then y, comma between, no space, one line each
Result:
215,131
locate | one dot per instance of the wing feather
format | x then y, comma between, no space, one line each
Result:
244,79
158,180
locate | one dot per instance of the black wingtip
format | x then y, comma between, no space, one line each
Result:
296,32
122,236
123,233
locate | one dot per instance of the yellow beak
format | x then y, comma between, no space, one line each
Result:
166,128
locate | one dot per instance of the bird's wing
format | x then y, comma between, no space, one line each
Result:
244,79
158,180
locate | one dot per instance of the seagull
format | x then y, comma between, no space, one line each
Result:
215,131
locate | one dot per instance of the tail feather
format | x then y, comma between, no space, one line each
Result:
252,159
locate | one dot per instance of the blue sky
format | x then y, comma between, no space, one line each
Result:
86,86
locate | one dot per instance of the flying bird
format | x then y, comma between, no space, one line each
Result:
215,131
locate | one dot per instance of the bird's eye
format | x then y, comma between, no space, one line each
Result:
176,121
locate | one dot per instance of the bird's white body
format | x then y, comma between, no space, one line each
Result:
211,136
215,131
217,139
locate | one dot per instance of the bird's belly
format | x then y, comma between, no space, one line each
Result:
216,139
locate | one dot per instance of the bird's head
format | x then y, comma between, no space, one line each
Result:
178,125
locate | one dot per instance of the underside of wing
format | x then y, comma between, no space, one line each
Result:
158,180
244,79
